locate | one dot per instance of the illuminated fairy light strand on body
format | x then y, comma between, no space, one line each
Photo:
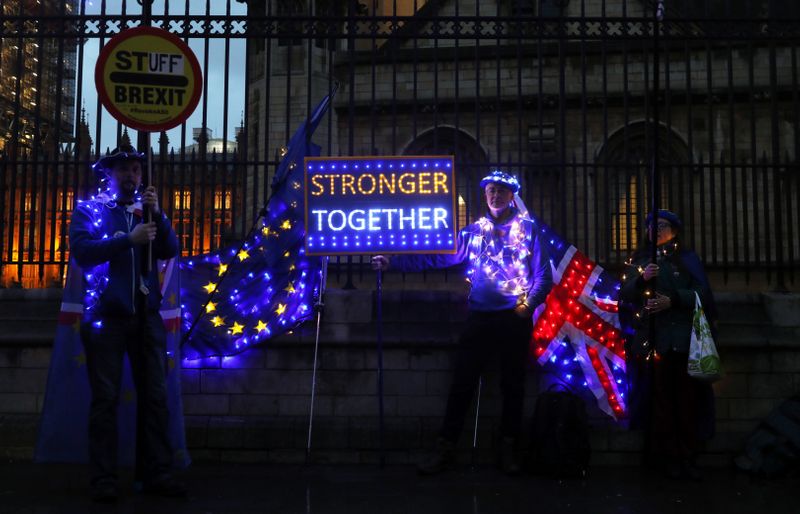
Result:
488,261
665,251
96,279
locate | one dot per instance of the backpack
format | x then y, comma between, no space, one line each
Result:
773,448
559,434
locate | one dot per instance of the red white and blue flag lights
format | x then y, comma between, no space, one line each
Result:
577,331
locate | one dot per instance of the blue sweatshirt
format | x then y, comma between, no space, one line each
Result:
507,265
112,264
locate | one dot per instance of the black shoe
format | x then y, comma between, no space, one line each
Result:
442,460
165,486
690,472
104,492
507,457
673,471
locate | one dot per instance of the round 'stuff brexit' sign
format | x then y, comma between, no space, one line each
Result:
148,79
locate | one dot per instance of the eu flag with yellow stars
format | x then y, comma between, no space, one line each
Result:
63,428
265,286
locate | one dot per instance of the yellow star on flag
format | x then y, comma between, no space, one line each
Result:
261,327
265,231
217,321
290,288
171,300
286,253
286,225
222,269
211,307
281,309
128,396
210,287
236,328
243,255
80,359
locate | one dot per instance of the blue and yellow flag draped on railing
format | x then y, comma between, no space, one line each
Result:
243,295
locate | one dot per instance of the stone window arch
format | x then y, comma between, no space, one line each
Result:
470,166
623,167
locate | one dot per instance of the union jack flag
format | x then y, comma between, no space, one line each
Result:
577,331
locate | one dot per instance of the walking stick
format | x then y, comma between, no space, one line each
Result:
379,295
318,306
477,414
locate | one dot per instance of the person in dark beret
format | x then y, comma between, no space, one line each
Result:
675,410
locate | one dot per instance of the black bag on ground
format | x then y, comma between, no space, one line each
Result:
773,449
559,442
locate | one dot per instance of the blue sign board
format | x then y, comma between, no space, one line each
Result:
361,205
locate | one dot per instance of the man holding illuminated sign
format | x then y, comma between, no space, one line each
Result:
509,273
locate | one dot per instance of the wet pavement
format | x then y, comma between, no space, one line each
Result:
350,489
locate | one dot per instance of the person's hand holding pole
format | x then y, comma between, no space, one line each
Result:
379,263
150,200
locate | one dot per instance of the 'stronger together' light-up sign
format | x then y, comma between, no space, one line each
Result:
357,205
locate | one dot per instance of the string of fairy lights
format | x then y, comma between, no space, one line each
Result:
490,258
96,278
664,251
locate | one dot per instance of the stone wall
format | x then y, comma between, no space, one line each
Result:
255,407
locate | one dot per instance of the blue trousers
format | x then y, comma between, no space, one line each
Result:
106,343
489,335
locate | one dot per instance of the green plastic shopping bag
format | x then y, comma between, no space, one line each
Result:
704,363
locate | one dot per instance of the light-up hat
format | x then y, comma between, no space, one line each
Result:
501,177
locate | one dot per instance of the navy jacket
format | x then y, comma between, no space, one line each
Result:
112,265
681,275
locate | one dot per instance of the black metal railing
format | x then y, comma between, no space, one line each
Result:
561,93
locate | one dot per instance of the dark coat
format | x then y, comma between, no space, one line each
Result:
681,274
99,243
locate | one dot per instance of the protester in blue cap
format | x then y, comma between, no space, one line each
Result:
108,239
509,273
675,411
